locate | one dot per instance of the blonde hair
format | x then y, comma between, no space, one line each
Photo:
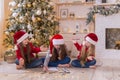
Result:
84,54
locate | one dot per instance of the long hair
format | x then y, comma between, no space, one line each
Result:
26,56
84,54
61,54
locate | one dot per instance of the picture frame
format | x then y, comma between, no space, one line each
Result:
63,13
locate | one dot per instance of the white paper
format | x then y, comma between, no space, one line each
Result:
53,69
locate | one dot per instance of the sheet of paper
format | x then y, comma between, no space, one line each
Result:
53,69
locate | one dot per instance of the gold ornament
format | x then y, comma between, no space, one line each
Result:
39,19
32,40
29,5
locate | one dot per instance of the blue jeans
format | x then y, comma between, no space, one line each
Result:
76,63
35,63
66,60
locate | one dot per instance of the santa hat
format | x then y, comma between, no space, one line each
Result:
92,38
56,40
20,36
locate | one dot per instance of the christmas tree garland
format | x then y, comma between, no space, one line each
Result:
102,10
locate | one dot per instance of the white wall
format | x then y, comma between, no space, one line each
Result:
101,23
1,24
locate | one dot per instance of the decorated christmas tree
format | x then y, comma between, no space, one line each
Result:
37,17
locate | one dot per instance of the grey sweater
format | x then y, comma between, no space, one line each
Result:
47,58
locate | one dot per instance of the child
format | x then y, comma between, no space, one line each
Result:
86,57
57,56
25,50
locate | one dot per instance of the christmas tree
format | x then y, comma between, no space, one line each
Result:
37,17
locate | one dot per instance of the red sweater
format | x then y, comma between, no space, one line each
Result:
33,50
79,47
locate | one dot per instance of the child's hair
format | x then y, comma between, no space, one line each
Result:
61,54
84,54
93,39
25,55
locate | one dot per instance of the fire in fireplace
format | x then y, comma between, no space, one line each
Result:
112,38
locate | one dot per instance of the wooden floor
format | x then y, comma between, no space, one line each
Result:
109,70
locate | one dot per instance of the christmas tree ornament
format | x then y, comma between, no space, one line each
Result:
38,18
44,12
26,14
24,5
10,3
33,18
49,18
13,3
21,19
11,9
29,27
38,12
29,5
32,40
34,3
12,21
23,27
6,32
15,47
15,14
19,5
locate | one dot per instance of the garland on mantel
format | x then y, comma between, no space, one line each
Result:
102,10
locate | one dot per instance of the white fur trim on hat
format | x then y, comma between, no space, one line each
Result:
58,41
90,40
22,38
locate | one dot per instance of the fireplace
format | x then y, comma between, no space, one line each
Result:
112,38
107,29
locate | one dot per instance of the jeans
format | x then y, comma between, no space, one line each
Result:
76,63
66,60
35,63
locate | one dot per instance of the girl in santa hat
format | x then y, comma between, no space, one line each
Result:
25,50
57,56
86,57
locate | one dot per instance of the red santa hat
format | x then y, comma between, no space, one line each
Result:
20,36
92,38
56,40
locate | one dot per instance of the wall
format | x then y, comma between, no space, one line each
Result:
101,23
4,16
1,24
